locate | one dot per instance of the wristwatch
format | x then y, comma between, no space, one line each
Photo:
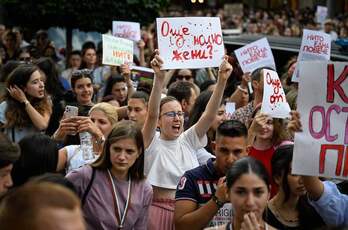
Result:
217,202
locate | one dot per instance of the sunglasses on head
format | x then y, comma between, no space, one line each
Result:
82,72
181,77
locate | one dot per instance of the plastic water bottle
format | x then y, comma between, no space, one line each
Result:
86,146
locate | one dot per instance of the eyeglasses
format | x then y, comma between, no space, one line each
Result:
181,77
81,72
173,114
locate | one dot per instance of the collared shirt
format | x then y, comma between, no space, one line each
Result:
332,206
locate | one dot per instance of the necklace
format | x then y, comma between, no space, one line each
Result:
120,219
286,221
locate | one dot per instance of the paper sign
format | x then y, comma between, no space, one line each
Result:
254,55
229,109
321,14
321,149
316,45
274,101
139,73
190,42
128,30
117,51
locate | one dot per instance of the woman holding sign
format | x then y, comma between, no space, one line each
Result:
265,134
171,152
325,197
289,208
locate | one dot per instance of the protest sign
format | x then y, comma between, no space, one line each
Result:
117,51
321,14
254,55
190,42
321,149
128,30
315,45
229,109
139,73
274,101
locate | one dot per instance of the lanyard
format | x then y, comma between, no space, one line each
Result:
120,218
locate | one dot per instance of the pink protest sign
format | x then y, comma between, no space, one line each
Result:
316,45
190,42
274,101
128,30
321,149
254,55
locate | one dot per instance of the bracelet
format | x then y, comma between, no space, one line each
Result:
218,203
26,102
241,89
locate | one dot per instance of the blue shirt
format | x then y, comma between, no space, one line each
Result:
332,206
198,185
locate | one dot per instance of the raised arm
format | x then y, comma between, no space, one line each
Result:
204,123
188,213
40,121
125,72
150,124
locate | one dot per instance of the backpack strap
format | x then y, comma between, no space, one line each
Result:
84,196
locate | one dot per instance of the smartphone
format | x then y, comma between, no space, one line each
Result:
71,111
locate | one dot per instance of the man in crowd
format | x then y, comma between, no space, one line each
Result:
137,107
9,153
39,206
185,93
201,192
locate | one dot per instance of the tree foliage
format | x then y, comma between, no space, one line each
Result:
87,15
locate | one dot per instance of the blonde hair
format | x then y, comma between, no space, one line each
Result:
109,110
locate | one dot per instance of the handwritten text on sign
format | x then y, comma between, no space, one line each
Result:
322,147
117,51
274,101
192,42
128,30
254,55
316,45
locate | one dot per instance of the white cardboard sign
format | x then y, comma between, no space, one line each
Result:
254,55
190,42
117,51
274,100
128,30
315,46
321,149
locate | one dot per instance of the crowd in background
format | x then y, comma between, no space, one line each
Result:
159,154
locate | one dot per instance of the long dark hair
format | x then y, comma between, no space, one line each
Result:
15,112
123,130
52,85
281,162
246,165
39,154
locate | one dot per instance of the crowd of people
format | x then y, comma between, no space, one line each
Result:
283,22
84,147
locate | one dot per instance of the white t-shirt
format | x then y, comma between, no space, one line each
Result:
75,158
166,161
